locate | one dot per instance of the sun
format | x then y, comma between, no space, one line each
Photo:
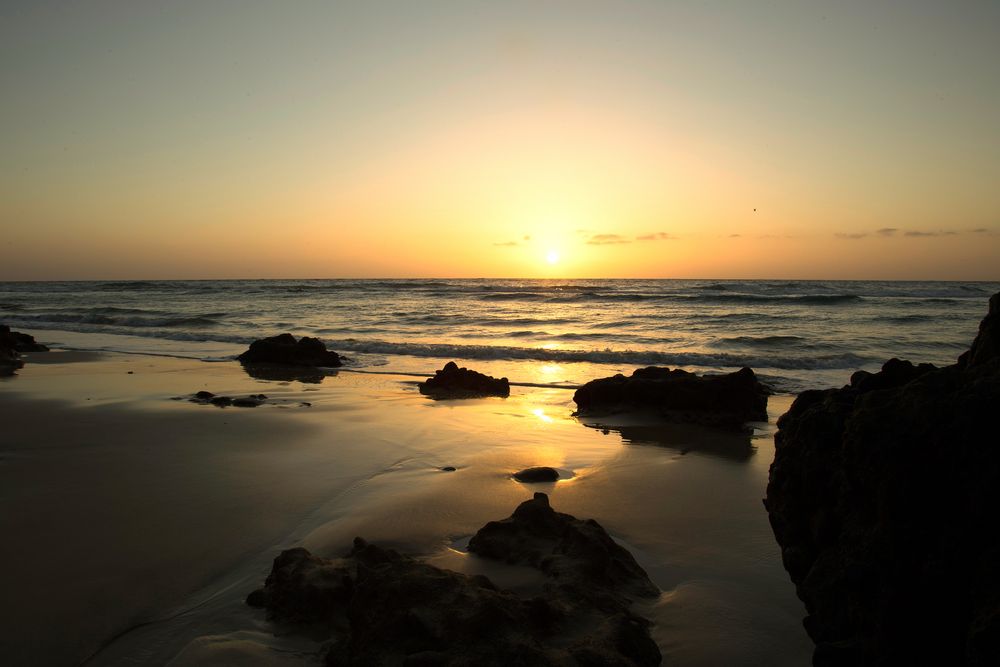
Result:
552,257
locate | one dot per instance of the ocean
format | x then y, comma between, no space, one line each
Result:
795,334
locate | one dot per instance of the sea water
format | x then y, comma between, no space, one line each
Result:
795,334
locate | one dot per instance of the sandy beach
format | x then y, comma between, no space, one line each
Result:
138,523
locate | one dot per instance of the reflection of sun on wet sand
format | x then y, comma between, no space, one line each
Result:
173,511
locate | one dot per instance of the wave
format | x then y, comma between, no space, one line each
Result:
762,341
97,318
606,356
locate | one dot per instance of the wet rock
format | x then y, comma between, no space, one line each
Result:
448,469
285,350
248,402
454,382
221,401
204,396
577,553
19,342
726,401
883,496
382,607
538,474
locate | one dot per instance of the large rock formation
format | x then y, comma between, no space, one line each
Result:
454,382
885,498
726,401
382,607
285,350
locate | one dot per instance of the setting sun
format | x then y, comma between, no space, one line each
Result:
552,257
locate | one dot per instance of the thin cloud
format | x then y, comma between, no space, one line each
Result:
887,231
658,236
979,230
851,237
507,244
527,238
735,236
919,234
607,239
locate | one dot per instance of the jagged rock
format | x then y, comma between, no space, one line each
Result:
285,350
884,497
382,607
575,552
20,342
726,401
454,382
537,474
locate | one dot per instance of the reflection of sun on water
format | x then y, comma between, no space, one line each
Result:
538,412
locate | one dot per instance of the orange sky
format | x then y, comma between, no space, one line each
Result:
482,139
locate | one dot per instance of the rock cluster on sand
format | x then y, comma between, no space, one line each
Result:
285,350
885,498
726,401
12,344
454,382
382,607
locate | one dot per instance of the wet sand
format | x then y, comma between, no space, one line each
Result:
137,524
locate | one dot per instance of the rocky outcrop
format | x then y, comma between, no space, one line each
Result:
287,351
727,401
19,342
382,607
12,344
454,382
884,496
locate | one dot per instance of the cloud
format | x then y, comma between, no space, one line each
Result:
979,230
507,244
852,237
658,236
607,239
887,231
919,234
735,236
527,238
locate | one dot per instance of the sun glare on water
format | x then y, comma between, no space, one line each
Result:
552,257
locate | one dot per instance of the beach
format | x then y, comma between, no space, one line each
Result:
138,523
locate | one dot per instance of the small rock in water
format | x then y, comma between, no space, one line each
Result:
248,402
203,395
537,474
448,469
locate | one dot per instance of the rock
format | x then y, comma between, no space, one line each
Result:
221,401
577,553
285,350
382,607
726,401
539,474
454,382
204,396
448,469
248,402
20,342
884,497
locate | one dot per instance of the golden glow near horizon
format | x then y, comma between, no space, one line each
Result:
484,140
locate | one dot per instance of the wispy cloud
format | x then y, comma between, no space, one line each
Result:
853,237
887,231
735,236
657,236
924,234
607,239
507,244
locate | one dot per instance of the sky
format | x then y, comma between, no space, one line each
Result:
847,140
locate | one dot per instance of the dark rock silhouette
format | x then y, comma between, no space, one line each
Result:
208,398
285,350
20,342
884,497
382,607
12,344
454,382
726,401
537,474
